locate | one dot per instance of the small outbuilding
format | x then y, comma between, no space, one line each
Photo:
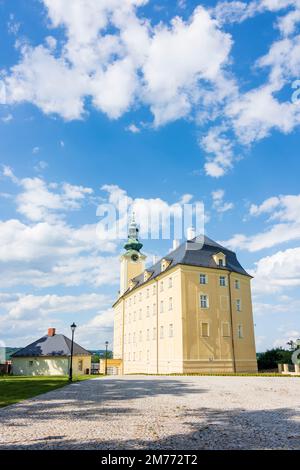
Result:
50,355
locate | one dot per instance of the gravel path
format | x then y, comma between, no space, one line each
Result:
142,412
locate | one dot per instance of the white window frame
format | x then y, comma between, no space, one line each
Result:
223,279
240,331
238,304
201,276
171,330
237,284
206,300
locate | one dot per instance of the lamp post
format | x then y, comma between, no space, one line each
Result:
73,327
106,345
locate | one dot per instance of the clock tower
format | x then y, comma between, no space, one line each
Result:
132,261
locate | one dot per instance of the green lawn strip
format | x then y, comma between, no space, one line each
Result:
16,388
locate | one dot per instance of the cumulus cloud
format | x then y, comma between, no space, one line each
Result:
276,273
218,201
116,59
284,224
39,201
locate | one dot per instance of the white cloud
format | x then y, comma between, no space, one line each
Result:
218,201
133,128
218,145
277,272
6,119
284,215
24,318
118,60
39,201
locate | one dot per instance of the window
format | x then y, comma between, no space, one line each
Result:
221,262
170,303
203,279
222,281
170,282
154,333
205,329
130,302
134,356
240,331
148,334
225,330
161,286
140,314
148,292
154,309
30,363
80,365
133,338
171,332
140,336
134,299
154,289
140,355
134,315
161,306
148,355
237,284
148,311
238,305
161,332
203,301
129,339
130,317
129,356
140,296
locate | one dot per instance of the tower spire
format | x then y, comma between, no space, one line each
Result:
133,236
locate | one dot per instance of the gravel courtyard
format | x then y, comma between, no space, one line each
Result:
141,412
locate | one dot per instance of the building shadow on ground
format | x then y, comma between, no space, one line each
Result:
71,402
209,429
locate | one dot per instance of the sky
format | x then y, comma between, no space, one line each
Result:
156,103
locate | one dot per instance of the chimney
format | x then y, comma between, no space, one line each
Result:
51,331
175,244
190,233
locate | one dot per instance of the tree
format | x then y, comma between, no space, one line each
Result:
272,357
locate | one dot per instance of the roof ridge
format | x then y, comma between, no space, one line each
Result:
65,337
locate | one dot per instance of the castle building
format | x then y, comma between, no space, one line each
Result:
189,312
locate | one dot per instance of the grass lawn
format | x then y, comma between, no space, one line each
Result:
16,388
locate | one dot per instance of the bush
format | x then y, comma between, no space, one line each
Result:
272,357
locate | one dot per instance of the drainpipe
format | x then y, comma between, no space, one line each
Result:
157,368
231,321
123,331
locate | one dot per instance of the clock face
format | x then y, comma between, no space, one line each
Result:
134,257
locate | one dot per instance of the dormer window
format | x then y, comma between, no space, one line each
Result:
220,259
164,264
147,275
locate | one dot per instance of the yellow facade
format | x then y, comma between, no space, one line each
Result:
33,366
163,326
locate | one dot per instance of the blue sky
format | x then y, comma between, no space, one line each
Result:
153,101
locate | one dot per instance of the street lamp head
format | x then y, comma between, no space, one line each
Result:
106,343
73,326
